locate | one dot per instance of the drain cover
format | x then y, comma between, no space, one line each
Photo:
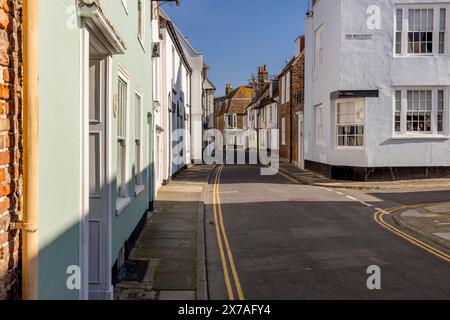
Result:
133,270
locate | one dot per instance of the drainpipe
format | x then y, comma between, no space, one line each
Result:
30,149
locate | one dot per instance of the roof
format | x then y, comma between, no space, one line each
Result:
286,68
174,35
239,99
208,85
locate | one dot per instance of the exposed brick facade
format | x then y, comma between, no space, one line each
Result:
234,102
288,110
10,144
297,93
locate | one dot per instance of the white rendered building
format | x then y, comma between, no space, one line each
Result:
377,84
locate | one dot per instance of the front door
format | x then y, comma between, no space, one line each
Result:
301,141
98,184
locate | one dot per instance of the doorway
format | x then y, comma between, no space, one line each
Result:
98,217
301,141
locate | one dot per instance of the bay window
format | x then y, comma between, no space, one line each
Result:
420,30
350,123
420,111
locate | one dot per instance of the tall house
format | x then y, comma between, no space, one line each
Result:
377,89
230,114
209,91
290,111
96,134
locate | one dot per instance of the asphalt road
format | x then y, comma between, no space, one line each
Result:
281,240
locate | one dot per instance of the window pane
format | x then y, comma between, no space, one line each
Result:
420,27
443,20
420,105
399,20
138,117
121,112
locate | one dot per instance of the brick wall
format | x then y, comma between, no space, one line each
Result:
288,110
10,144
297,94
284,112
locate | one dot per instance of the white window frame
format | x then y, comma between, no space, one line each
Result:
288,86
141,22
139,143
404,133
318,114
318,47
233,120
336,124
436,29
123,198
283,131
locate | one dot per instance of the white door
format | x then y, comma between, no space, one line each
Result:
301,141
98,186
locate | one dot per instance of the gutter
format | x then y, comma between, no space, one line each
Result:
30,150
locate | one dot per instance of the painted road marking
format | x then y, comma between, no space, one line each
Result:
288,177
379,218
227,244
222,234
366,204
219,241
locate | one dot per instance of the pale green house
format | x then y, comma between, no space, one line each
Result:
96,136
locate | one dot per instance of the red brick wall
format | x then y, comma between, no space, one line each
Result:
284,111
10,144
297,90
289,151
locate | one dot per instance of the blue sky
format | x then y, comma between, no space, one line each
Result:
236,36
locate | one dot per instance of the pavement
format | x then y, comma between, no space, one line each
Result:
168,260
430,221
268,237
311,178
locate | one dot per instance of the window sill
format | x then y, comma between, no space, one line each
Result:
121,204
350,148
413,56
139,189
420,137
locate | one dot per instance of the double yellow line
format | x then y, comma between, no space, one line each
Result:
222,240
284,175
379,218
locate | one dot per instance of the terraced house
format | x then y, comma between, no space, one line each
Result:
290,112
378,89
96,140
230,114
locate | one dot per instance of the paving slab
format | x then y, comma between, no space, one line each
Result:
170,240
431,222
311,178
445,235
177,295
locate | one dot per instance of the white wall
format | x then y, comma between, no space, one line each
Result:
180,85
195,60
369,65
319,82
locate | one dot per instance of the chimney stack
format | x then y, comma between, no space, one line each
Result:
228,88
263,75
299,45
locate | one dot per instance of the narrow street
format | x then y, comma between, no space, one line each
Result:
283,240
